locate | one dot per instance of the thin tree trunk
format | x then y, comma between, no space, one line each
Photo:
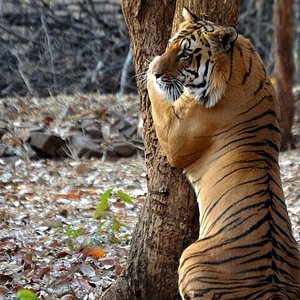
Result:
284,69
169,221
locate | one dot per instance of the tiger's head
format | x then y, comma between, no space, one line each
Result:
193,54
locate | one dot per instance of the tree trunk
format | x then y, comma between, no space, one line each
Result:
169,221
284,69
220,12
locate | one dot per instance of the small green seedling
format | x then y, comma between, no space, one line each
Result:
109,224
25,294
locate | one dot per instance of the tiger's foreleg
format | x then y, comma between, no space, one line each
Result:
169,118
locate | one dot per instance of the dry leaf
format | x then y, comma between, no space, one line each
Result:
93,251
74,196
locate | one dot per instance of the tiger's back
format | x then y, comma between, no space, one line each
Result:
221,124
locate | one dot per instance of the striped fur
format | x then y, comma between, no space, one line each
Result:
216,115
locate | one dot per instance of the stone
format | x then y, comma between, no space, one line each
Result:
85,123
110,155
2,150
7,150
123,149
92,128
94,133
10,159
2,132
122,125
24,130
10,151
85,147
129,132
45,144
30,127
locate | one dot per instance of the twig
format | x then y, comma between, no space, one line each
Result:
49,48
24,77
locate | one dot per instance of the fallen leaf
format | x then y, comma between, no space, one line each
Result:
93,251
87,270
74,196
42,272
5,278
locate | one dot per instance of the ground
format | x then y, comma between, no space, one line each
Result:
52,240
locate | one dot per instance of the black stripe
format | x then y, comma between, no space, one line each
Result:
255,129
215,202
225,285
231,63
252,245
194,73
220,245
173,108
261,85
265,142
267,97
198,60
248,72
266,113
268,255
251,167
220,262
261,193
262,153
236,140
247,207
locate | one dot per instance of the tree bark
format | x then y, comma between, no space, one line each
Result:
169,221
284,69
220,12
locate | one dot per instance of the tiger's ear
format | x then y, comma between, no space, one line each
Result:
222,38
188,16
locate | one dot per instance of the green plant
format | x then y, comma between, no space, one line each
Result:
110,227
72,234
109,224
25,294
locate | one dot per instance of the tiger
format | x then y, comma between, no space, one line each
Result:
216,116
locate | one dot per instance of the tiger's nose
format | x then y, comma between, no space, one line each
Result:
157,75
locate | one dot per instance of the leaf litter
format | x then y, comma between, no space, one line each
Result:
66,225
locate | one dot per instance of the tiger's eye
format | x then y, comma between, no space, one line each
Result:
184,56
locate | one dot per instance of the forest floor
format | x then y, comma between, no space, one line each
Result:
55,237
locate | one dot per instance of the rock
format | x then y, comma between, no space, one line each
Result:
31,154
85,147
2,150
30,127
129,132
2,132
7,150
110,155
24,130
122,125
45,144
10,151
10,159
85,123
123,149
114,117
94,133
92,128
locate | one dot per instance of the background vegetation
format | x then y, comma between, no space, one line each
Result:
68,46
